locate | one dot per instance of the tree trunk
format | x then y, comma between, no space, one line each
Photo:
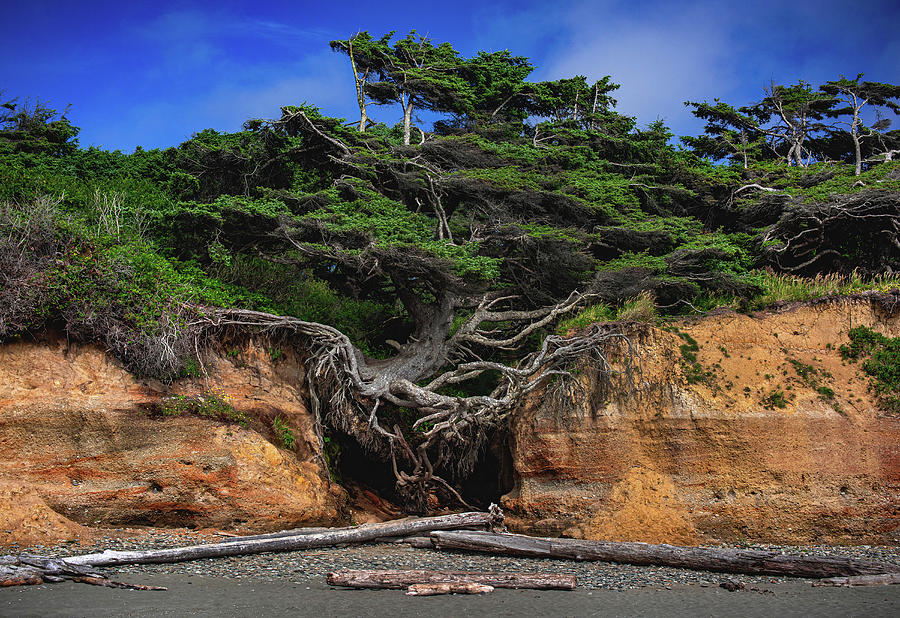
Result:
407,118
368,532
744,144
401,579
360,89
861,580
430,590
697,558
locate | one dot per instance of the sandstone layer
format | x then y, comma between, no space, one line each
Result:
718,459
82,442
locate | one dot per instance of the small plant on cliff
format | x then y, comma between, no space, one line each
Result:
694,371
882,364
775,399
213,403
283,433
191,368
810,376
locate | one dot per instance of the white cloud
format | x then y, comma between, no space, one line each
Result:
661,58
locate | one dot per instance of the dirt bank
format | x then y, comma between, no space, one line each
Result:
742,428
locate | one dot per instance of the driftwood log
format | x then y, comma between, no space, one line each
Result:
429,590
696,558
337,536
27,570
861,580
363,578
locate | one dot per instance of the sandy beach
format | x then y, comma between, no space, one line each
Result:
216,596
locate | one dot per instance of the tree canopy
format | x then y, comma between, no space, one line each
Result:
800,124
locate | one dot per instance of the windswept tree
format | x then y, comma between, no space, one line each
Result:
571,103
498,87
571,99
854,95
367,56
730,132
784,120
417,74
794,113
455,251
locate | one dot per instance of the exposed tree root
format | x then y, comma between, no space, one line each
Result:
354,394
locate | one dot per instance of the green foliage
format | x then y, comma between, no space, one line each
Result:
591,314
391,225
775,287
542,186
191,368
825,392
283,433
654,263
775,399
35,129
882,364
213,404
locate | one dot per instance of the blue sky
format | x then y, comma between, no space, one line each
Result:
153,73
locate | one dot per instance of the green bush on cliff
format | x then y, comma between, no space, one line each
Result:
881,362
212,403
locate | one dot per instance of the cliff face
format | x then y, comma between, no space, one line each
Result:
717,458
83,442
702,451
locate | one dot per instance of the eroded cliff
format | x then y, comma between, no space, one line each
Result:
82,442
741,428
768,436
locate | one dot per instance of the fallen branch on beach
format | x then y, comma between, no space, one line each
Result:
18,570
696,558
395,579
26,570
430,590
861,580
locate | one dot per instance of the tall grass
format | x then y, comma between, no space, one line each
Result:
641,308
774,287
783,287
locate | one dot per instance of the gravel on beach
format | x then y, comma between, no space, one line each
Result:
316,563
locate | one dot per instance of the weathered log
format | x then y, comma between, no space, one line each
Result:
15,575
419,542
428,590
26,570
230,538
359,534
696,558
396,579
861,580
109,583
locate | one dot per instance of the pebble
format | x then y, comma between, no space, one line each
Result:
316,563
